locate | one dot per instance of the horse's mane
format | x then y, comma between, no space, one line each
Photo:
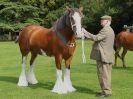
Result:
61,22
64,20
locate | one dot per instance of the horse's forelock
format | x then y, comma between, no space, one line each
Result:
77,10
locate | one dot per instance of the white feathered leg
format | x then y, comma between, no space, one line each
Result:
31,76
59,85
22,78
67,81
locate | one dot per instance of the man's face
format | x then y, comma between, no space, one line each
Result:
104,22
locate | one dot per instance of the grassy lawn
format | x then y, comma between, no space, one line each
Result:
83,76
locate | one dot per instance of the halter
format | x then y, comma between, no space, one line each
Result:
72,26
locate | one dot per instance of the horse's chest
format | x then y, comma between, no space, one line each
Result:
68,51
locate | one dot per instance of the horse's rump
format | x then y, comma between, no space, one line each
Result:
123,40
35,37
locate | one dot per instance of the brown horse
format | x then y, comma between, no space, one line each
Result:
123,40
58,41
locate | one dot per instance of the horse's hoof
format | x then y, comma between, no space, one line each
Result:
22,81
59,88
32,82
72,89
31,79
59,91
24,84
69,88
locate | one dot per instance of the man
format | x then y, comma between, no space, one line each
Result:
102,52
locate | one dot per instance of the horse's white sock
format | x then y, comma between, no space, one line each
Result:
31,76
59,85
22,78
67,81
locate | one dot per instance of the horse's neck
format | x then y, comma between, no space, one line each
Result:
61,22
68,34
62,28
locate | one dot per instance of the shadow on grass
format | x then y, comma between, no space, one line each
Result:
46,85
9,79
122,68
84,90
50,85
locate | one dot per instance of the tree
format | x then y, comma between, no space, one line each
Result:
16,14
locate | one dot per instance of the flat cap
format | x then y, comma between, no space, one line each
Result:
106,17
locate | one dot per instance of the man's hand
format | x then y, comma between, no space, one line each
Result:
86,33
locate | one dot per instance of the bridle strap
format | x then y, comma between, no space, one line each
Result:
72,26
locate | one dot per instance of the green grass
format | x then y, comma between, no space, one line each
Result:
84,77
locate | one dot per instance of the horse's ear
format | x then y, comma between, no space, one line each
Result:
68,8
81,9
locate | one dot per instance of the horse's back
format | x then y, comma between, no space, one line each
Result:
125,39
31,29
33,36
125,36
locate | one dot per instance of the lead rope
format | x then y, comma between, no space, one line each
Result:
83,51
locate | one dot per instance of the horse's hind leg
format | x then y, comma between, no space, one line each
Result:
59,85
117,55
67,80
24,48
22,78
123,57
31,76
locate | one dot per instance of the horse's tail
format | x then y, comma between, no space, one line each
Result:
115,47
17,38
117,43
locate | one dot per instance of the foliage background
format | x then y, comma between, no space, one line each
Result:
15,14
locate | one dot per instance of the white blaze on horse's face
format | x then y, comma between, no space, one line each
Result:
77,20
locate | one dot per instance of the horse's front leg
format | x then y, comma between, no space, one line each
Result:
31,76
67,80
59,85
